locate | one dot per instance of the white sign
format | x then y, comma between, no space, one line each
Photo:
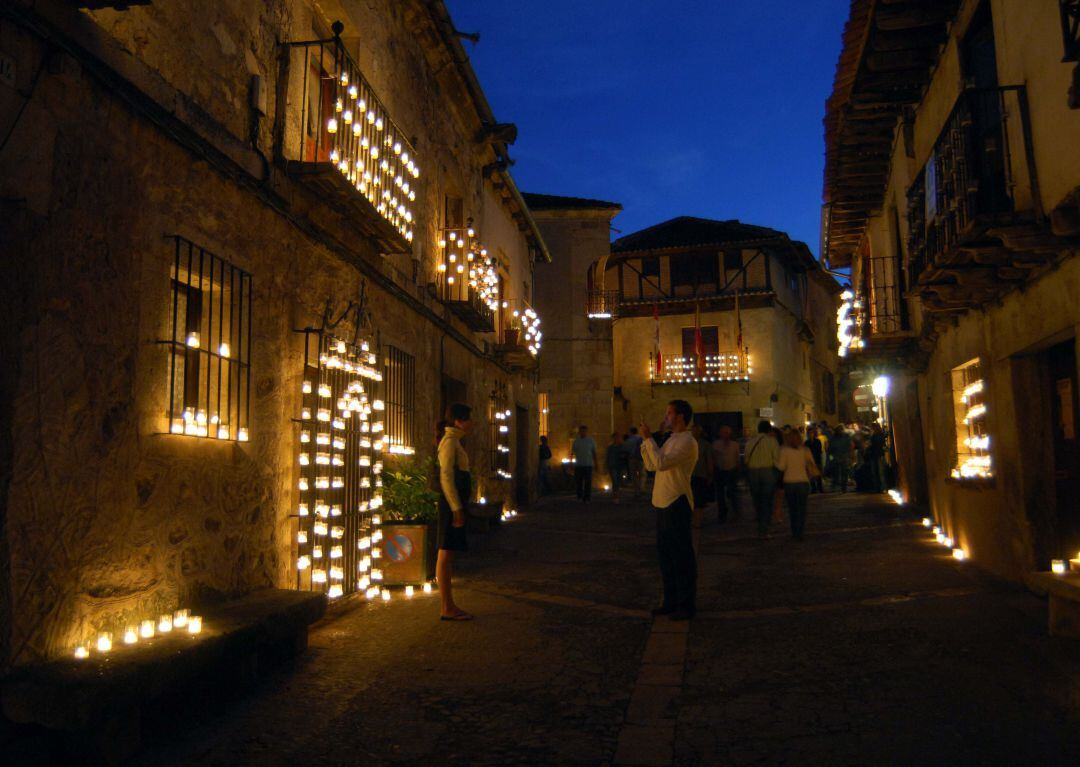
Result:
765,412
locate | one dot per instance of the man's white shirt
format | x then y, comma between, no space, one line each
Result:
673,464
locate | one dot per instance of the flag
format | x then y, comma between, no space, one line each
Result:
656,342
699,344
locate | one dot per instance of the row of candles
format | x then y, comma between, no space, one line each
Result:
146,629
944,539
719,368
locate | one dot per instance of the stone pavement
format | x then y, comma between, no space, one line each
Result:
865,644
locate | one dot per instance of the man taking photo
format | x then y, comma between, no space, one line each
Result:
673,500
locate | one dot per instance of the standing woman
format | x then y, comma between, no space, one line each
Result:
455,490
794,463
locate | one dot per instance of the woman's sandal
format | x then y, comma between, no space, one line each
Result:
458,616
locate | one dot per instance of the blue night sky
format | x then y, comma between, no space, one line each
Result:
710,108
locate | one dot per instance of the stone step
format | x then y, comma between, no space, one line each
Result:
100,701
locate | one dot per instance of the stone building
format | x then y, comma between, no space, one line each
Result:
952,191
575,378
766,311
187,187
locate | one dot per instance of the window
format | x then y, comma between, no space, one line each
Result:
733,261
650,267
210,346
542,410
400,383
972,437
695,270
710,341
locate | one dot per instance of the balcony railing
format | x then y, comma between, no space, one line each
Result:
468,278
519,333
336,135
602,304
979,176
725,367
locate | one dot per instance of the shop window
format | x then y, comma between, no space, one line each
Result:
542,409
400,388
970,408
209,345
710,341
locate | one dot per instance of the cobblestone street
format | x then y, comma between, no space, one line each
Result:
865,644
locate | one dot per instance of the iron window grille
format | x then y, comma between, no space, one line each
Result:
499,418
543,408
342,438
973,460
400,386
209,345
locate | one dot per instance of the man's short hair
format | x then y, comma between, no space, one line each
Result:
682,407
764,427
458,412
633,430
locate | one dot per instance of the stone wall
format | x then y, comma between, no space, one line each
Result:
105,515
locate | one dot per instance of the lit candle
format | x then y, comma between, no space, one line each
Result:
947,542
82,652
104,641
146,629
180,618
243,435
164,625
194,624
131,635
386,595
427,588
959,554
1059,566
193,340
409,591
926,522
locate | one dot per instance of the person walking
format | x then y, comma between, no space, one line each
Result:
635,469
455,490
726,466
813,444
795,463
840,457
673,500
584,450
762,452
544,467
875,456
702,479
614,460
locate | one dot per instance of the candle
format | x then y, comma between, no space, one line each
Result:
427,588
409,591
1058,566
180,618
131,635
926,522
959,554
82,651
104,641
940,537
386,595
194,624
164,625
146,629
947,542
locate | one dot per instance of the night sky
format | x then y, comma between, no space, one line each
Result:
710,108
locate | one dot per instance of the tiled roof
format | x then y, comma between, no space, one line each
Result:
686,231
557,202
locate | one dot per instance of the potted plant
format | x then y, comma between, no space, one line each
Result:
410,514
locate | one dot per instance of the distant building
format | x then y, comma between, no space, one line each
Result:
766,312
952,191
576,368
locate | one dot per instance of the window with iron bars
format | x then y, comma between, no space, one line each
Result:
499,418
543,410
400,391
209,345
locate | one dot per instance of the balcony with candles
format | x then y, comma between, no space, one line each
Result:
468,281
726,367
337,138
602,304
976,223
519,334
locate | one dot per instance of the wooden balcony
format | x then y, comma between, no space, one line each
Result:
336,137
976,224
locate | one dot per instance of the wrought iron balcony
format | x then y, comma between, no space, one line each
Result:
337,136
602,304
974,212
468,278
519,334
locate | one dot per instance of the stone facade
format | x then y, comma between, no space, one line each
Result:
138,125
1005,294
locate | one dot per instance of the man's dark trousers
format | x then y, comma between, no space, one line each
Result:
726,494
678,565
583,478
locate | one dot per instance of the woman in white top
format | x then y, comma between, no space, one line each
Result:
455,488
794,463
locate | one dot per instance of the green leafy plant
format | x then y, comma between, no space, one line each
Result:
407,496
